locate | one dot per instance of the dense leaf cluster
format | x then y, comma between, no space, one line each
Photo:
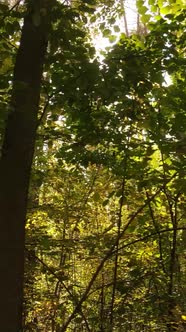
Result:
105,248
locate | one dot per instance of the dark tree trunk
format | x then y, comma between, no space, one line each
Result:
16,161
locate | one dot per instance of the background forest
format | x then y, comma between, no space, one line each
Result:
105,233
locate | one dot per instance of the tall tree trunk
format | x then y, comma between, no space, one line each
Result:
16,161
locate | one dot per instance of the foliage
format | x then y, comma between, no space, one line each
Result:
105,247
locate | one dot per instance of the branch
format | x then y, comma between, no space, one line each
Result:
141,239
158,232
14,6
43,112
45,107
107,256
10,10
32,254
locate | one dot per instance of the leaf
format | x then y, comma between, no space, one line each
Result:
105,202
3,8
143,10
102,26
106,33
112,38
158,17
146,18
111,20
153,8
96,197
166,10
93,19
139,4
12,27
116,28
151,3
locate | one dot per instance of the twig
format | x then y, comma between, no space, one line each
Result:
107,256
141,239
10,10
62,283
158,231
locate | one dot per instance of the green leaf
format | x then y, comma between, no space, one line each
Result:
143,10
111,20
112,38
96,197
157,17
116,28
106,33
151,3
105,202
153,8
146,18
139,4
93,19
166,10
3,8
12,27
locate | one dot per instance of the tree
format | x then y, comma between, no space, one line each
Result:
105,211
18,149
16,159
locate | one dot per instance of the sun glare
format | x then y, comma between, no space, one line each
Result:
126,22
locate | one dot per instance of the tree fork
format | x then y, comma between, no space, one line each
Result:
16,160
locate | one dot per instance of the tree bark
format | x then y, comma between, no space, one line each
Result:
16,161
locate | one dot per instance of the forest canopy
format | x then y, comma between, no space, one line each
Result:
99,136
